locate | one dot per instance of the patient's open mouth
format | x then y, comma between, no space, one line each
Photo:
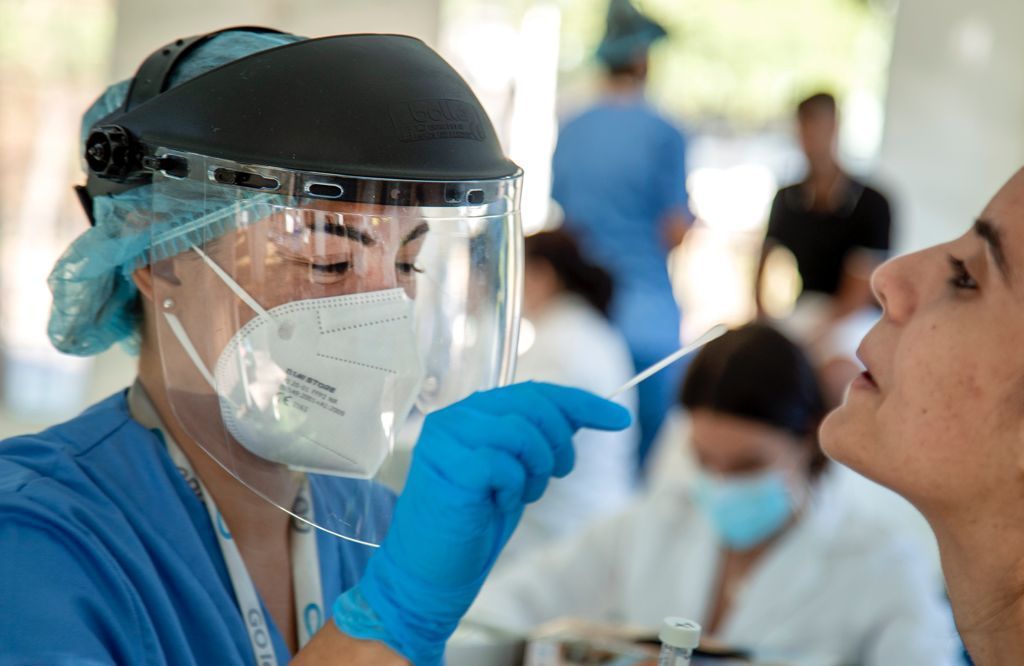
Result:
865,380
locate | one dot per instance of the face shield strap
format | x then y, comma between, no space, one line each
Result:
96,187
116,160
154,73
85,199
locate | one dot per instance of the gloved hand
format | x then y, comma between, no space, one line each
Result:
475,466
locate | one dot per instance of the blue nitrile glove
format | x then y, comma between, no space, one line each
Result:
476,465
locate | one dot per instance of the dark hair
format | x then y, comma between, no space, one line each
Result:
757,373
821,101
576,273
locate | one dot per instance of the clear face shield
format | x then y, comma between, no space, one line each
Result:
299,328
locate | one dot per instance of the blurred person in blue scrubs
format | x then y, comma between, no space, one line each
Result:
756,549
287,290
571,342
619,174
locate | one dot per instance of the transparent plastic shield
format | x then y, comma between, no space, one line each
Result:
297,334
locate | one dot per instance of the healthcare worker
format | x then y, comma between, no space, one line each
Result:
619,174
754,551
937,415
305,238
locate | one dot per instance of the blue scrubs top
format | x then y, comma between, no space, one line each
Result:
108,557
618,169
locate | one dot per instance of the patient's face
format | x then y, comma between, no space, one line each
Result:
940,415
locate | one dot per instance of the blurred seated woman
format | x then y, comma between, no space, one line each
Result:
755,550
571,341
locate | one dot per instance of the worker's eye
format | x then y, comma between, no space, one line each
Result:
960,278
407,268
332,269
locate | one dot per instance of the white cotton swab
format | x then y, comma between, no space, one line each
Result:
711,334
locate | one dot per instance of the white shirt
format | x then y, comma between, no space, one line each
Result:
576,346
672,461
838,588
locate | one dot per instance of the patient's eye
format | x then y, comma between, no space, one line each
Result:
960,279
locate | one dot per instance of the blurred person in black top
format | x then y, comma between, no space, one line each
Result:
838,230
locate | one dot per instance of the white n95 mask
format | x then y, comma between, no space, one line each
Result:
319,385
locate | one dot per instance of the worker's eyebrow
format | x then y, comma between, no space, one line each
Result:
994,240
420,230
345,232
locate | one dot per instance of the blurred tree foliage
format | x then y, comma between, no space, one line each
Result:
53,62
49,41
745,61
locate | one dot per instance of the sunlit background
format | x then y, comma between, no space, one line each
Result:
930,95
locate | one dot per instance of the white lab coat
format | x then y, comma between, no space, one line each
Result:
838,588
672,460
574,345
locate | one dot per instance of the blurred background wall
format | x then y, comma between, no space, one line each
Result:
931,98
955,113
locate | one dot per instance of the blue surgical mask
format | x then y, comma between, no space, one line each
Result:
745,511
